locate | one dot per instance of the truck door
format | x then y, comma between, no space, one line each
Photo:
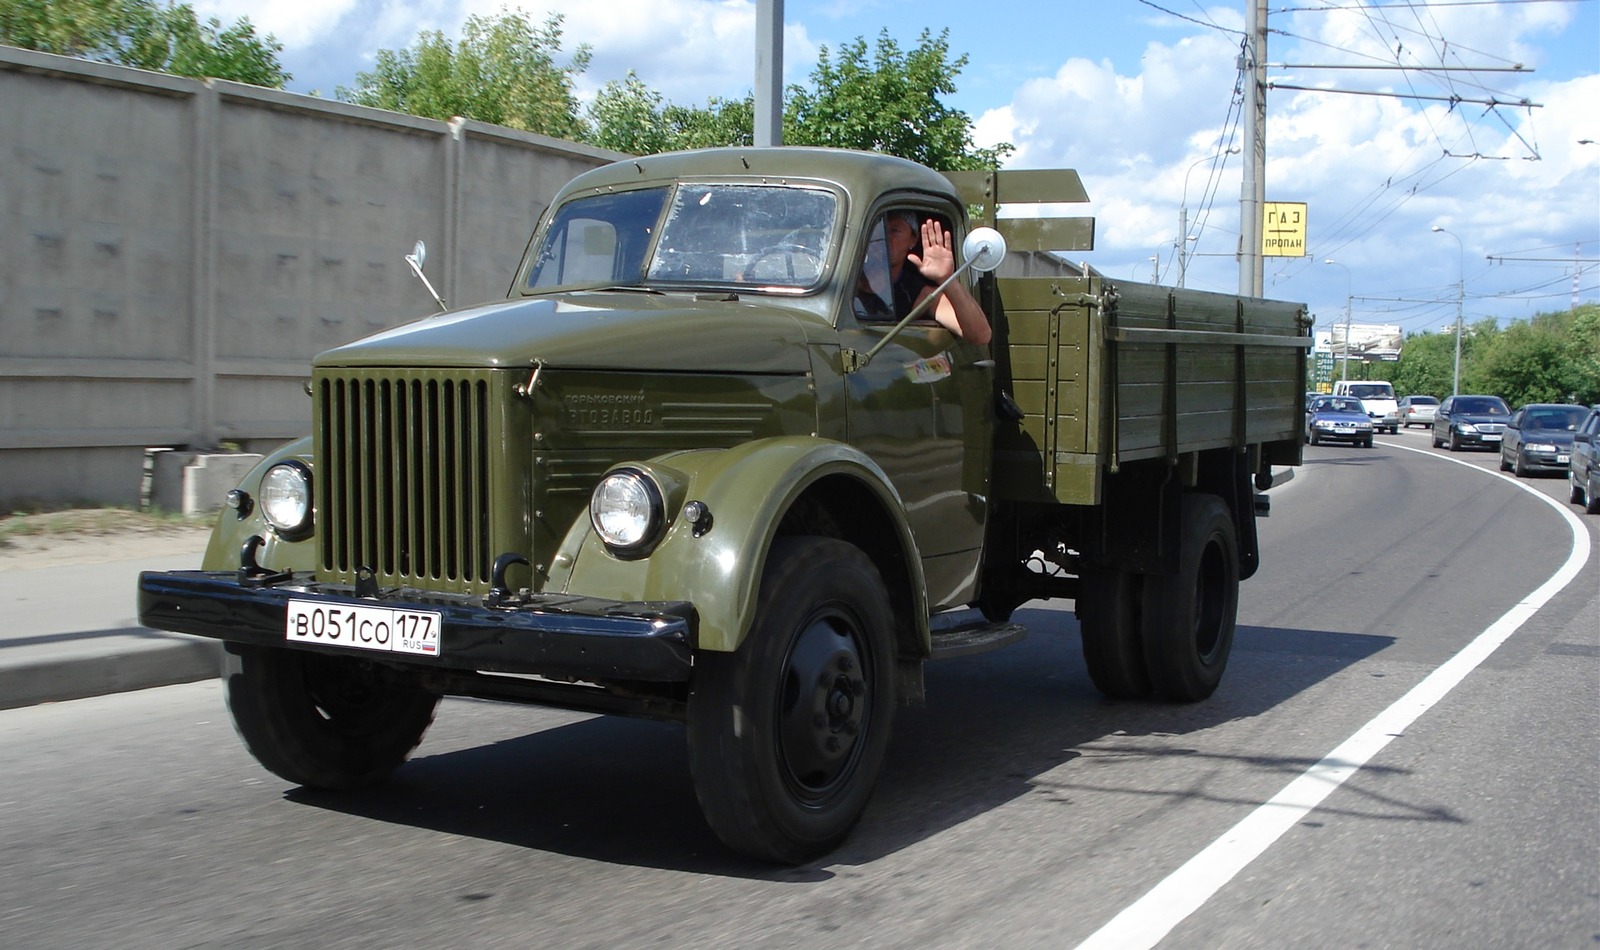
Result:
920,410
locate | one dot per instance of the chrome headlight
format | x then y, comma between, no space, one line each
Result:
627,512
1465,427
1541,447
286,499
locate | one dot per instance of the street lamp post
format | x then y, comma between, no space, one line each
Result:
1461,297
1183,215
1344,372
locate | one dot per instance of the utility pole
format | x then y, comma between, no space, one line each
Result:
1461,299
1344,374
769,73
1253,191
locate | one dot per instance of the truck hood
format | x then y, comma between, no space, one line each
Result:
595,330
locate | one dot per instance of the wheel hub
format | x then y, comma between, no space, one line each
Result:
824,705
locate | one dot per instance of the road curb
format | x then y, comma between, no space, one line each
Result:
180,659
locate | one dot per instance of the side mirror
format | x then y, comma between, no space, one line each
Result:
1583,437
984,249
419,253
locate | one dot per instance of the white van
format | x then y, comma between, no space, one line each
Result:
1377,397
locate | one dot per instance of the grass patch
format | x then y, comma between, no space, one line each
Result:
95,522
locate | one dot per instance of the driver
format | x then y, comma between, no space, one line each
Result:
889,289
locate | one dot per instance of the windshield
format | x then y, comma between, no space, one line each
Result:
1372,391
1557,419
1482,406
1338,405
772,236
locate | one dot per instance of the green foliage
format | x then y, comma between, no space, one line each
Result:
892,105
629,116
1554,357
143,34
503,70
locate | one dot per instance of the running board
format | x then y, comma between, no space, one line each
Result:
974,636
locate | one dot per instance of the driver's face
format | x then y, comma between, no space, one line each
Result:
902,237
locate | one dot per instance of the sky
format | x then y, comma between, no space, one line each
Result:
1139,97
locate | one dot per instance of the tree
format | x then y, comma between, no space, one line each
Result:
629,116
503,70
143,34
892,105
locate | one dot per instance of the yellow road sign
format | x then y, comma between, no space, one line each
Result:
1283,229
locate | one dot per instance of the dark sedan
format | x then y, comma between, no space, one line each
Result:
1583,475
1538,438
1470,420
1338,419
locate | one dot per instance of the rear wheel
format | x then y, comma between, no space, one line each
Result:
788,733
1189,615
324,721
1109,610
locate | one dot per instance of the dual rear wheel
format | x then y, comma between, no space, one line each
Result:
1166,635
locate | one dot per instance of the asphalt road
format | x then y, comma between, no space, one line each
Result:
1018,807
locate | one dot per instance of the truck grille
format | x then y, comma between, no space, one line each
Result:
405,461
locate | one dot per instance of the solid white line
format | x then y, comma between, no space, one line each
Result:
1150,918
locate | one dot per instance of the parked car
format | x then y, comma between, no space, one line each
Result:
1416,410
1583,472
1538,438
1470,420
1338,419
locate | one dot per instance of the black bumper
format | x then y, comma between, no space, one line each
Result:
553,635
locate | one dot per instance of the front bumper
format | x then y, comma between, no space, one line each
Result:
1541,461
1343,435
552,635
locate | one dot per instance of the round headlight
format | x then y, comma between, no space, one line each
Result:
627,511
286,499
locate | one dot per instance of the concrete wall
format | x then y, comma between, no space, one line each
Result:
174,252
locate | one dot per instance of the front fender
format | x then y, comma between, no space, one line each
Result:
230,531
748,489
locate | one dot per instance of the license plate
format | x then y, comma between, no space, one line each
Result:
1563,459
1491,438
384,629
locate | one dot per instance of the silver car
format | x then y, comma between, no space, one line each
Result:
1417,411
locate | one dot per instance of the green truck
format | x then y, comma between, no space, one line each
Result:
691,470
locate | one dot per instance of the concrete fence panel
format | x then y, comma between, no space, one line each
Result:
174,252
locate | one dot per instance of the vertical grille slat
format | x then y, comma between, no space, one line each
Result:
405,459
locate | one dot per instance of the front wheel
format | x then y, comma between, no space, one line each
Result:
1189,615
788,733
1455,441
327,722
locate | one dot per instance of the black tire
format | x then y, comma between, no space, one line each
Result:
1591,498
1189,616
1311,436
1505,466
1367,442
1574,491
1433,436
1455,441
1109,607
327,722
788,733
1520,467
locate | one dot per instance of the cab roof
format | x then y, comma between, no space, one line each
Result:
861,174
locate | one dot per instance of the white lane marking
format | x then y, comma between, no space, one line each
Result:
1150,918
